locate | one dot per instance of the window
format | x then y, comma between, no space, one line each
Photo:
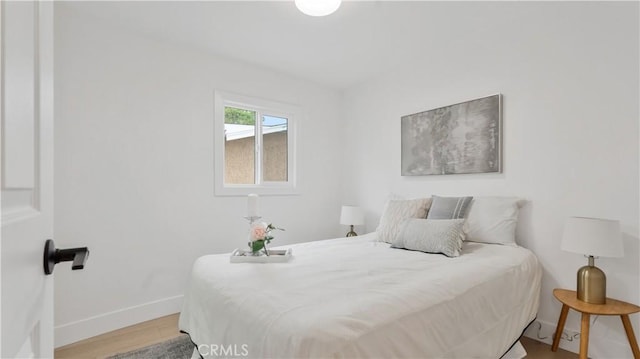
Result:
255,146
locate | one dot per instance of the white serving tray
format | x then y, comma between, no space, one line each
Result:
275,256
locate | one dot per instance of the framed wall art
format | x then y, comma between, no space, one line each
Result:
461,138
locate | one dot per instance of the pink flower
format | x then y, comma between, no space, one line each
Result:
258,232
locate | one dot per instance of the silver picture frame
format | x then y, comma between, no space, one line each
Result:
457,139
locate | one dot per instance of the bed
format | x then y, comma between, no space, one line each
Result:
358,298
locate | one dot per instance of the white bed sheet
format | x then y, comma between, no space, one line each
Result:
356,297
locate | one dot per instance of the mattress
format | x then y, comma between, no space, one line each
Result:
357,297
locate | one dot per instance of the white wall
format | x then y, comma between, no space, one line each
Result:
569,75
134,170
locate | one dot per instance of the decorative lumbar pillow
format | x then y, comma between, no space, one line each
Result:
431,236
448,207
395,212
493,220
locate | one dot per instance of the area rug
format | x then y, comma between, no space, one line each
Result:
176,348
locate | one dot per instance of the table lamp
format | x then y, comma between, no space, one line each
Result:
351,216
593,237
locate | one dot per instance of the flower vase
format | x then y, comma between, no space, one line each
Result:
258,248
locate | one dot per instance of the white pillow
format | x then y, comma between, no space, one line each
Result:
431,236
395,212
493,220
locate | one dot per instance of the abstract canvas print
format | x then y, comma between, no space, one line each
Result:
460,138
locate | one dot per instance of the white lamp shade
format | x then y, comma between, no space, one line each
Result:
318,7
351,215
593,237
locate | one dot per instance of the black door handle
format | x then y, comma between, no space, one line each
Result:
53,256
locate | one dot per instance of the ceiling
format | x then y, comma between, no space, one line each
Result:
359,41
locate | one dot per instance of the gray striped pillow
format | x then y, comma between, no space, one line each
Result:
448,207
425,235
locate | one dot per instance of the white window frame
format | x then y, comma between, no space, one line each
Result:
262,107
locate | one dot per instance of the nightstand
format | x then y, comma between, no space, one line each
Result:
569,299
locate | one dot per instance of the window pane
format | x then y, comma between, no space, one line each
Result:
239,146
275,149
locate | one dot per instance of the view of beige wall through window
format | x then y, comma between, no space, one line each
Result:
241,125
239,159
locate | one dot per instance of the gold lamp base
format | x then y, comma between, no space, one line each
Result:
592,284
351,233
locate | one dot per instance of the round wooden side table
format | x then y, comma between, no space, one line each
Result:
569,299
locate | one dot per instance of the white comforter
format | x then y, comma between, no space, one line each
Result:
355,297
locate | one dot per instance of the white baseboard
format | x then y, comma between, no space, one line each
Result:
599,346
103,323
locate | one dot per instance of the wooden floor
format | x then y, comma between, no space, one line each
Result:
539,350
161,329
122,340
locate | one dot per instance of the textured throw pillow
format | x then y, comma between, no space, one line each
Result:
395,212
493,220
448,207
431,236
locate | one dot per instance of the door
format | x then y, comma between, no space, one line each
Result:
27,178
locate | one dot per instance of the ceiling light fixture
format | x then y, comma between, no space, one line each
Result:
318,7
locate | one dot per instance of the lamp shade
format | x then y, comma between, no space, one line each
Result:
593,237
351,215
318,7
